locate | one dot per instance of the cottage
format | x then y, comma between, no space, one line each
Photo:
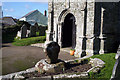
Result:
8,21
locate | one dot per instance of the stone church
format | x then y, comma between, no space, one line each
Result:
89,27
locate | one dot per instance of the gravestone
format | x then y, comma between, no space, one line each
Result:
116,69
32,31
18,35
42,30
36,25
23,31
28,33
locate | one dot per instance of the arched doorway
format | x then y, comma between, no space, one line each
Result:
69,31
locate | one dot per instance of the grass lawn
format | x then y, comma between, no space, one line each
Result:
28,41
106,72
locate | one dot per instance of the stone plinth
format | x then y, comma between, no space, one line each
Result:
42,66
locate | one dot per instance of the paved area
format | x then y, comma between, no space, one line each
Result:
16,58
42,45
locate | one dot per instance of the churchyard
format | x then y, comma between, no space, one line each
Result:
35,54
28,59
95,54
13,34
22,63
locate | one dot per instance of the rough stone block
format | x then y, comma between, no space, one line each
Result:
96,62
42,66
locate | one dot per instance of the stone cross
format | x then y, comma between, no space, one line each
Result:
23,31
52,50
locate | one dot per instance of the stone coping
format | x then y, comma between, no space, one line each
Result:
96,63
18,73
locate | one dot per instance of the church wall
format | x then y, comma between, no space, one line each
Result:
97,28
106,27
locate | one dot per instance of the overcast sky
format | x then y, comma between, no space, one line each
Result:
19,9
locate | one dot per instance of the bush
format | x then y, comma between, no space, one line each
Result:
20,23
29,41
10,32
15,28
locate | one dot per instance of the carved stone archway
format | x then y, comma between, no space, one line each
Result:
66,29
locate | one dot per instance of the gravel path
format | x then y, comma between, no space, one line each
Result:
17,58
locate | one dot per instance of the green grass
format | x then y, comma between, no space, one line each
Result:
106,72
28,41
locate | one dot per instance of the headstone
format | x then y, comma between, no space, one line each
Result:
116,69
52,50
18,34
36,25
28,33
23,31
42,30
32,31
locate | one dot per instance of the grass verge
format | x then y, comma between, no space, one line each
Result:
28,41
106,72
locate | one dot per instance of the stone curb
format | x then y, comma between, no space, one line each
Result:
95,68
16,74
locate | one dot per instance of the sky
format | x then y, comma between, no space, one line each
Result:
19,9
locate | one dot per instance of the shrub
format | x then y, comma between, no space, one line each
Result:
10,32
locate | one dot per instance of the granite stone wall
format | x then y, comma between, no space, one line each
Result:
97,25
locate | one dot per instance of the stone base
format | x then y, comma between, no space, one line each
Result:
42,66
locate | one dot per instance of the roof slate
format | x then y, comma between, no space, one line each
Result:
36,16
8,20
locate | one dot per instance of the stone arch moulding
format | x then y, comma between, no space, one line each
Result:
61,19
63,14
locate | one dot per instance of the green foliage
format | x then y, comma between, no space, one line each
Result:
106,72
15,28
37,33
10,32
7,38
91,74
20,23
28,41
